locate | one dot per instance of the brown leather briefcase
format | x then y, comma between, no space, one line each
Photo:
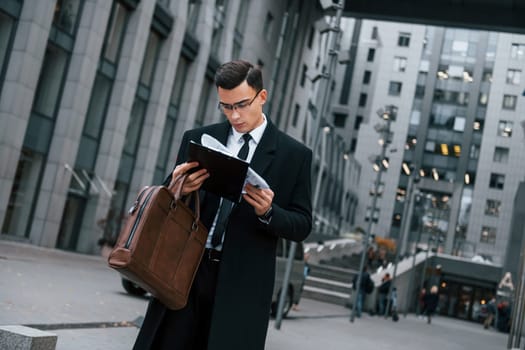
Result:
161,245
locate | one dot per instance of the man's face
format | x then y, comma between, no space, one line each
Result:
242,106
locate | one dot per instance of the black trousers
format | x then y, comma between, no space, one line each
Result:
187,328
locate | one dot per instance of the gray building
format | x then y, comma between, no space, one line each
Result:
456,145
95,96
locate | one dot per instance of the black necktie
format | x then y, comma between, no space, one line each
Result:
226,205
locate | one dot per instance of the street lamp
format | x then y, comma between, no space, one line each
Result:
389,115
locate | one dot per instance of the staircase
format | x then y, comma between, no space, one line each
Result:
329,284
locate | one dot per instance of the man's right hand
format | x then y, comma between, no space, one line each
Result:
193,181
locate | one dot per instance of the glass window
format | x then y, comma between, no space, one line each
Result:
194,8
66,15
400,64
513,76
207,88
135,124
488,235
340,120
20,204
362,99
375,34
50,81
497,181
303,75
505,128
366,77
150,59
501,155
358,121
492,207
268,27
296,112
6,29
97,106
218,24
394,88
403,39
483,98
509,102
371,54
115,32
517,51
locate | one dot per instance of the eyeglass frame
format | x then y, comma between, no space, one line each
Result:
229,108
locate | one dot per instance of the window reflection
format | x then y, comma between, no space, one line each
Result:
66,15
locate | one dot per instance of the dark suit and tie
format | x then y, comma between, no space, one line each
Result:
240,282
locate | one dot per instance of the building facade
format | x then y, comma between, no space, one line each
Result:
453,165
95,96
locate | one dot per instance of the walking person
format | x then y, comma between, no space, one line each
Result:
382,293
431,301
229,303
366,287
491,312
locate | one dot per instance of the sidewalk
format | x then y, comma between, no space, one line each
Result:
80,299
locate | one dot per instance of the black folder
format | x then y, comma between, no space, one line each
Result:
227,173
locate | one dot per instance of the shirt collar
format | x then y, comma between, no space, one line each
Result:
256,133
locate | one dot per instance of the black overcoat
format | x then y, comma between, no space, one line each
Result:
247,269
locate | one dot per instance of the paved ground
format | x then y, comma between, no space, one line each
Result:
81,300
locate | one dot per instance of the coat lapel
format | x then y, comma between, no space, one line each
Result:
265,152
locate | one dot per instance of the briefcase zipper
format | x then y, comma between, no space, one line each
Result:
139,215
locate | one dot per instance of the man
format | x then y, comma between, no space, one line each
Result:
229,304
382,293
366,287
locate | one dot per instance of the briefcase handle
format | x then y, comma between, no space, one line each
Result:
178,184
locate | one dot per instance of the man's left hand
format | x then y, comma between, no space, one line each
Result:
260,199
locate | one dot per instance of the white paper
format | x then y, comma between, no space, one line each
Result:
251,177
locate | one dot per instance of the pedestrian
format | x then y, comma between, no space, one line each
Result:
382,294
366,287
431,301
491,312
229,303
393,304
421,303
306,272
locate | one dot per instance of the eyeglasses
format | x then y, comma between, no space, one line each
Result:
238,106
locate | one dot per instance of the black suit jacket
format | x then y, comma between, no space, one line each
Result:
247,270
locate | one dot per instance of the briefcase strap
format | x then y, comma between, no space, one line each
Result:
179,183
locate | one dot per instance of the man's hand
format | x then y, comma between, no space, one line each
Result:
193,181
259,199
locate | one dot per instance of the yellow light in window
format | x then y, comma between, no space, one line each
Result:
457,150
467,178
444,149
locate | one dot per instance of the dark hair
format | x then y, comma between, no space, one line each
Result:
231,74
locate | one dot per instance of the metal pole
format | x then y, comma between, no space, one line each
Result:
404,232
412,276
370,221
425,264
284,288
518,309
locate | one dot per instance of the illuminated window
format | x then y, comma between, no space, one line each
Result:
400,64
505,128
517,51
492,207
513,76
488,235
